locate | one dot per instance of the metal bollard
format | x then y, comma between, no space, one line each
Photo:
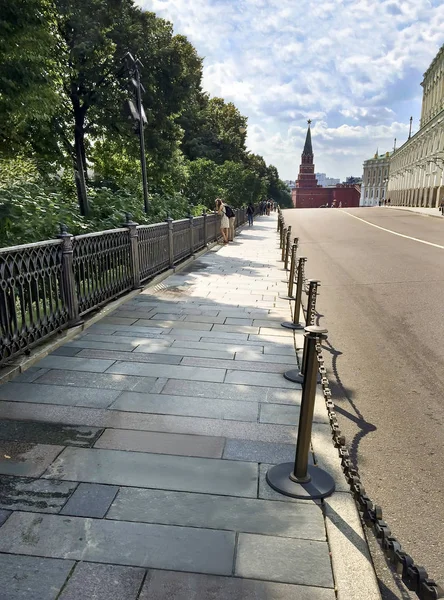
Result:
289,295
297,375
282,234
299,479
287,248
297,304
284,241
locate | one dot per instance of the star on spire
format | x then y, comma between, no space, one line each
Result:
309,121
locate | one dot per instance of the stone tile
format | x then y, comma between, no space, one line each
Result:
173,351
289,415
219,335
235,329
133,544
127,339
149,422
83,343
169,371
30,375
58,394
90,500
216,346
65,351
75,364
162,585
219,512
182,334
50,433
270,324
260,452
27,460
275,350
252,356
103,381
186,406
34,495
238,321
204,319
132,356
303,562
4,514
161,471
276,332
162,443
118,320
175,325
237,365
125,330
32,578
226,391
260,379
167,316
103,582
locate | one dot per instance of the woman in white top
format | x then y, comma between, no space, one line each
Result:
225,223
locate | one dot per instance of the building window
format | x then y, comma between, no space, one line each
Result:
377,193
366,193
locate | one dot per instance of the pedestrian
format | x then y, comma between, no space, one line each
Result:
250,213
441,207
340,204
224,223
232,221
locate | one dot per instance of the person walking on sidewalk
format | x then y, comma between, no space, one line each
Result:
224,223
250,213
232,221
441,207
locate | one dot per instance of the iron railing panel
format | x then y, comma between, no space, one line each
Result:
32,303
181,239
153,249
102,267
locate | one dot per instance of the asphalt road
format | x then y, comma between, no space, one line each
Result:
382,300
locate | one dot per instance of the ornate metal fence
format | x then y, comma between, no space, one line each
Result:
48,286
181,239
102,267
32,302
199,233
153,249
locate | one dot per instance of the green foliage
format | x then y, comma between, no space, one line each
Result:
63,87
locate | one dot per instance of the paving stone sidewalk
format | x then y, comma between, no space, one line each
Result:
133,458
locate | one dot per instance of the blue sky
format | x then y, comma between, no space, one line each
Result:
353,66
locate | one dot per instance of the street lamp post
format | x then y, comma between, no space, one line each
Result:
138,114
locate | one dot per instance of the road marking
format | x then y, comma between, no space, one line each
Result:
408,237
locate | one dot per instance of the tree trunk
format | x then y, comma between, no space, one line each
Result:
79,159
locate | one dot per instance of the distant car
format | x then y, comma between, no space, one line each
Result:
324,206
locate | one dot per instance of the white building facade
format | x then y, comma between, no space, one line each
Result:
375,180
417,167
326,181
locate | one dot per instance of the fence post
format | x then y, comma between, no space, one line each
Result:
287,248
298,298
191,220
299,479
134,248
289,295
170,241
68,279
204,214
284,240
297,375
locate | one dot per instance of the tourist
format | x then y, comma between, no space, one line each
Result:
224,223
250,213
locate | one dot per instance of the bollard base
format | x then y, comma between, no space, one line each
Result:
291,325
321,484
296,376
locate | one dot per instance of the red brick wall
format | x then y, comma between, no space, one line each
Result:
316,197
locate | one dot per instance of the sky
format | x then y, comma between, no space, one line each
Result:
354,67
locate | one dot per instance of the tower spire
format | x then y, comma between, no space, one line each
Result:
308,149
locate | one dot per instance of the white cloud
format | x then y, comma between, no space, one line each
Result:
354,66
